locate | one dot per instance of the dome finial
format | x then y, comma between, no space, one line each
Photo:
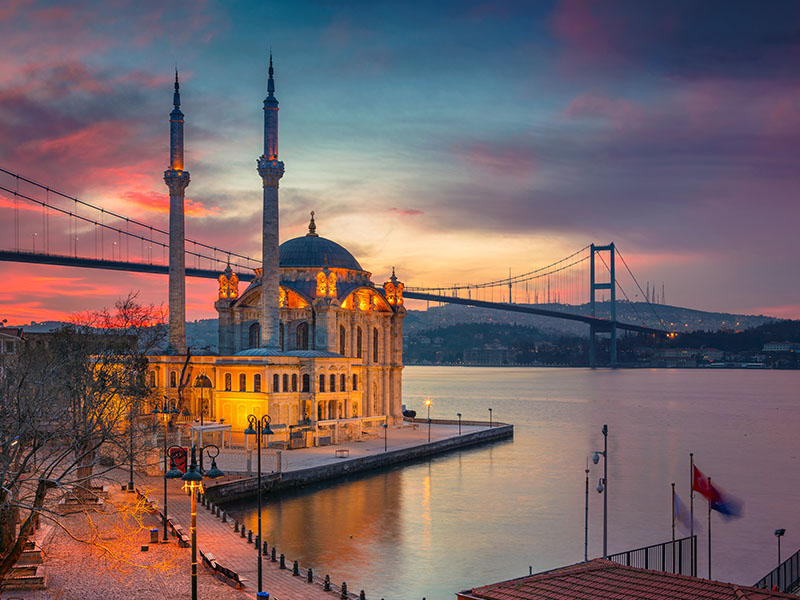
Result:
312,226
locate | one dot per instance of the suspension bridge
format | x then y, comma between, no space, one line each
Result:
576,288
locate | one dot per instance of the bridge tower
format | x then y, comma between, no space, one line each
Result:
271,171
177,180
594,286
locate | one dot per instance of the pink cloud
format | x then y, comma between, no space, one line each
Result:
620,112
507,158
406,212
159,203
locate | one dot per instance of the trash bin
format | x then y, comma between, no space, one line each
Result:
262,595
154,536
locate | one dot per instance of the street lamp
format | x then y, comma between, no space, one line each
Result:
203,382
428,404
194,483
385,428
259,428
490,418
602,486
779,533
459,423
165,415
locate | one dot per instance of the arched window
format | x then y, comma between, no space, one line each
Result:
276,383
173,379
359,342
294,382
374,398
333,382
285,382
280,330
322,383
375,345
343,382
256,382
228,382
355,410
255,335
152,379
319,411
302,336
306,383
342,335
355,382
242,382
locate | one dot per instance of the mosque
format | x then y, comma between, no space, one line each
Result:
312,341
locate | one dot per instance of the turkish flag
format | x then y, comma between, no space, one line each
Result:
723,503
700,484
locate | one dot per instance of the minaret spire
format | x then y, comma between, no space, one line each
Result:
271,171
177,179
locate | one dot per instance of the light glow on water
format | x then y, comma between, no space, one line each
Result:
485,514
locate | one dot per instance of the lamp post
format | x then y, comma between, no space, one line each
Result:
459,423
779,533
586,517
490,418
203,382
165,415
194,483
385,428
259,428
602,486
428,404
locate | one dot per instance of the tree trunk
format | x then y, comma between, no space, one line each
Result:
25,532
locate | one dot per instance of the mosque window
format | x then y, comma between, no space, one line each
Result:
342,334
302,336
255,335
285,382
333,382
375,345
152,379
355,382
319,411
173,379
306,383
355,408
359,342
242,382
322,383
343,382
294,383
228,382
276,383
256,383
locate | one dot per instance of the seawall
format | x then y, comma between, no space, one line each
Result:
240,489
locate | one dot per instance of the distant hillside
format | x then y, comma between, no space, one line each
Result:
675,318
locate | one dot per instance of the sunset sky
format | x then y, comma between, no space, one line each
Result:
452,140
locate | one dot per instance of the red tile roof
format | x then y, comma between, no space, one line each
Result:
602,579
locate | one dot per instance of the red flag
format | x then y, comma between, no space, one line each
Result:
723,503
700,484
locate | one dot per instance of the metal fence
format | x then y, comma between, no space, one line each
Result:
786,575
679,556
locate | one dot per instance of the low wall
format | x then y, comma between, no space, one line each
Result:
246,488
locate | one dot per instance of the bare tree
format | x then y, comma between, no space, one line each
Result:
68,402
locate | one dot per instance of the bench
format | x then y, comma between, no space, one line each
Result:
342,453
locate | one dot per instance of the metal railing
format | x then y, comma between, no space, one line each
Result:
786,575
679,557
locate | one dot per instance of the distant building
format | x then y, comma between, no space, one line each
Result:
781,347
490,356
601,579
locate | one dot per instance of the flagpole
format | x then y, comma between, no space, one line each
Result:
673,527
691,512
586,517
709,531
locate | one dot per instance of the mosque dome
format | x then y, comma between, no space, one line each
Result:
312,251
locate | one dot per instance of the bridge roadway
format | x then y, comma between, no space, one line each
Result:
600,325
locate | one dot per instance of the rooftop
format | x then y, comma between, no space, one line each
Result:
601,579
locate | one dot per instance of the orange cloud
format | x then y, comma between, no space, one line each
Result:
159,203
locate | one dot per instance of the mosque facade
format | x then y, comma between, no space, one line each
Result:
312,341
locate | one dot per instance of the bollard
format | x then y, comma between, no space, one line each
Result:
264,551
224,517
362,596
243,533
202,500
283,561
249,536
343,595
310,576
236,526
272,558
327,585
296,569
256,543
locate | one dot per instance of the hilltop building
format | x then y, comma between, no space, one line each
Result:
312,341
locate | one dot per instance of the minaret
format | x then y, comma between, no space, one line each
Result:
176,179
271,171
